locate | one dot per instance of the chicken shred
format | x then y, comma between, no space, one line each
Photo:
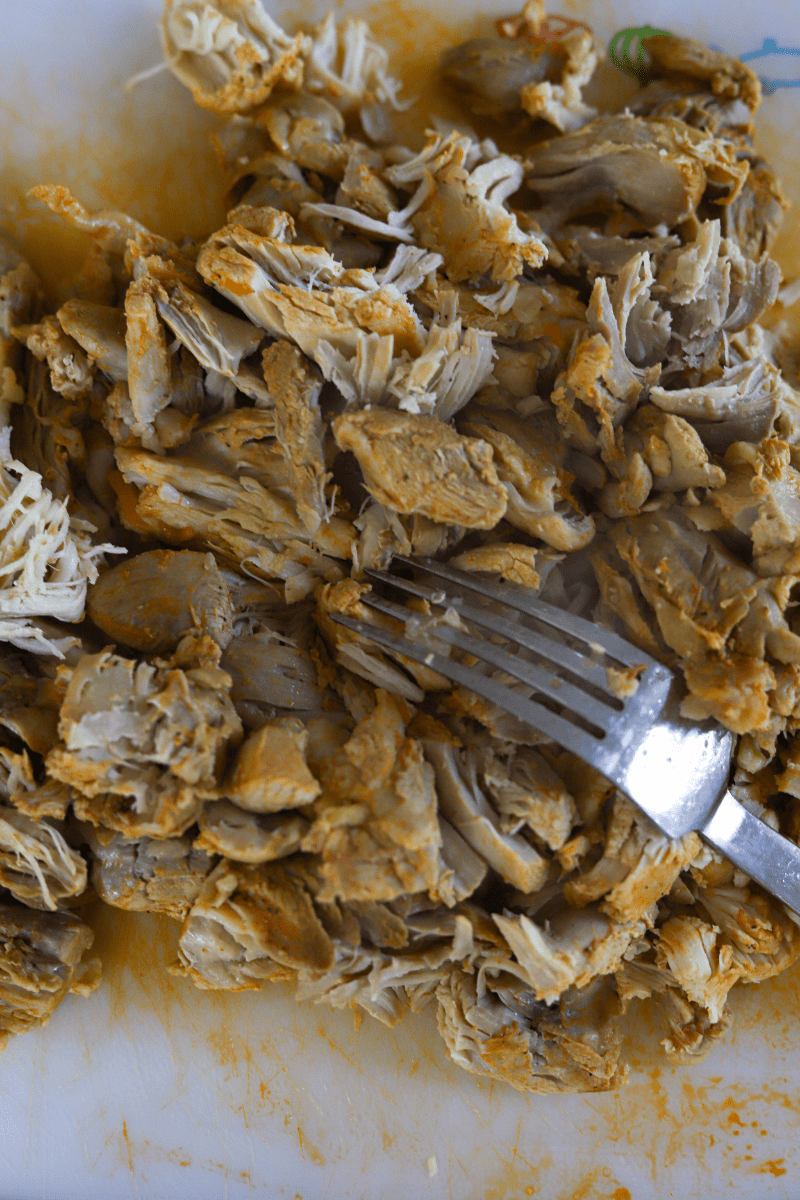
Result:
555,368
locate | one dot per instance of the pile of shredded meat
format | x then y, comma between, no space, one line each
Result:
546,366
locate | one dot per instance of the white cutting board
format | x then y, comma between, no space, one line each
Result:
151,1089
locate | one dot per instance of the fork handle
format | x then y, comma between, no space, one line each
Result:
764,855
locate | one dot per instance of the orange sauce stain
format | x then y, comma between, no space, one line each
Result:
587,1188
514,1176
313,1153
772,1167
128,1146
135,949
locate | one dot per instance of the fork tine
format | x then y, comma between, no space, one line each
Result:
564,733
555,652
564,693
518,598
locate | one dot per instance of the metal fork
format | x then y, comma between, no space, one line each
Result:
674,769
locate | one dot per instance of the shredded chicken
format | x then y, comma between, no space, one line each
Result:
47,558
554,368
40,963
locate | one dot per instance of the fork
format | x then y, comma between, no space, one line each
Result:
674,769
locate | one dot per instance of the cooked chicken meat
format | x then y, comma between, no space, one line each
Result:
40,962
143,745
534,71
556,368
153,600
231,54
416,464
147,874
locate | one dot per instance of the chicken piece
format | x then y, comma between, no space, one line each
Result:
268,677
307,130
143,744
346,64
616,162
46,560
331,324
36,864
259,178
384,533
754,218
461,870
600,380
713,612
71,372
705,972
528,791
749,939
691,1032
663,454
560,103
112,231
762,933
100,331
460,211
516,563
545,314
490,73
417,464
391,957
523,69
44,431
573,948
525,1043
49,799
27,709
704,289
153,600
164,386
700,593
270,772
230,54
638,865
149,376
251,925
529,464
240,520
161,875
706,88
248,837
465,806
761,498
452,364
40,963
217,340
299,429
588,250
375,823
742,404
362,186
672,451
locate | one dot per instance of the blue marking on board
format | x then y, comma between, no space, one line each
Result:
770,49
